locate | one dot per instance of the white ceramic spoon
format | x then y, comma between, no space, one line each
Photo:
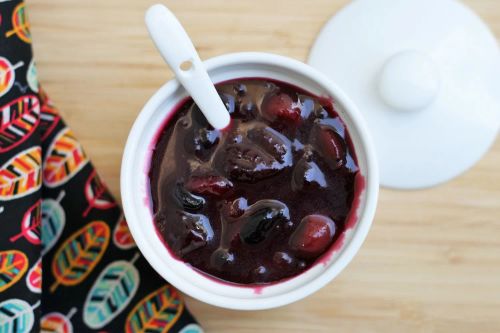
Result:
178,51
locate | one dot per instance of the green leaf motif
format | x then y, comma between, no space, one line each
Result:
16,316
111,293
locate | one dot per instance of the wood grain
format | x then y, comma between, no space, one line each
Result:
432,260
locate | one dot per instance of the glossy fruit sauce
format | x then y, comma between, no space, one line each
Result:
262,200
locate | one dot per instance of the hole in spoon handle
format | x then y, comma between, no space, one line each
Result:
186,65
179,53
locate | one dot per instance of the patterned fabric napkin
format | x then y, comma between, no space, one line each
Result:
58,222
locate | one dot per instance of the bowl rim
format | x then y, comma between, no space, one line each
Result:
348,251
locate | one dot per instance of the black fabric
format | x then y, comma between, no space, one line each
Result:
52,202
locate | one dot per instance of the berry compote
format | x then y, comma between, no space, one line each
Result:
259,201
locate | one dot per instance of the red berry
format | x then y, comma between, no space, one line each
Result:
280,106
332,146
313,236
209,184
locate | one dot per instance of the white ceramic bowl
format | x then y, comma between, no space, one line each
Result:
135,188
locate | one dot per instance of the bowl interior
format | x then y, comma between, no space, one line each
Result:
135,186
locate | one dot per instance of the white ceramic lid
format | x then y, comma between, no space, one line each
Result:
426,76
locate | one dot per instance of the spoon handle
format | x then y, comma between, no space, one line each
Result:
178,51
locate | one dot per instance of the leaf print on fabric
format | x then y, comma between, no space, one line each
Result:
7,75
157,312
21,175
49,116
191,328
18,120
13,265
20,24
30,225
32,76
111,293
55,322
53,220
16,316
122,237
34,277
97,195
79,254
64,159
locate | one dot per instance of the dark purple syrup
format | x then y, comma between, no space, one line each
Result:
262,200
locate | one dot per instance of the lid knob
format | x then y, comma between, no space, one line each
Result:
409,81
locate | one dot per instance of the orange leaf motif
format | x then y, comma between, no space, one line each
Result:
21,175
13,265
79,254
65,158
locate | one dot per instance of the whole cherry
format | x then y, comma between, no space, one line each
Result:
281,106
313,236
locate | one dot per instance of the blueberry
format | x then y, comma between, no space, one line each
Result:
221,258
247,111
301,264
260,273
261,218
206,138
260,270
188,200
228,101
283,259
198,231
240,89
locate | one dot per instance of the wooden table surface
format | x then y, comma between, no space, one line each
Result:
431,263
